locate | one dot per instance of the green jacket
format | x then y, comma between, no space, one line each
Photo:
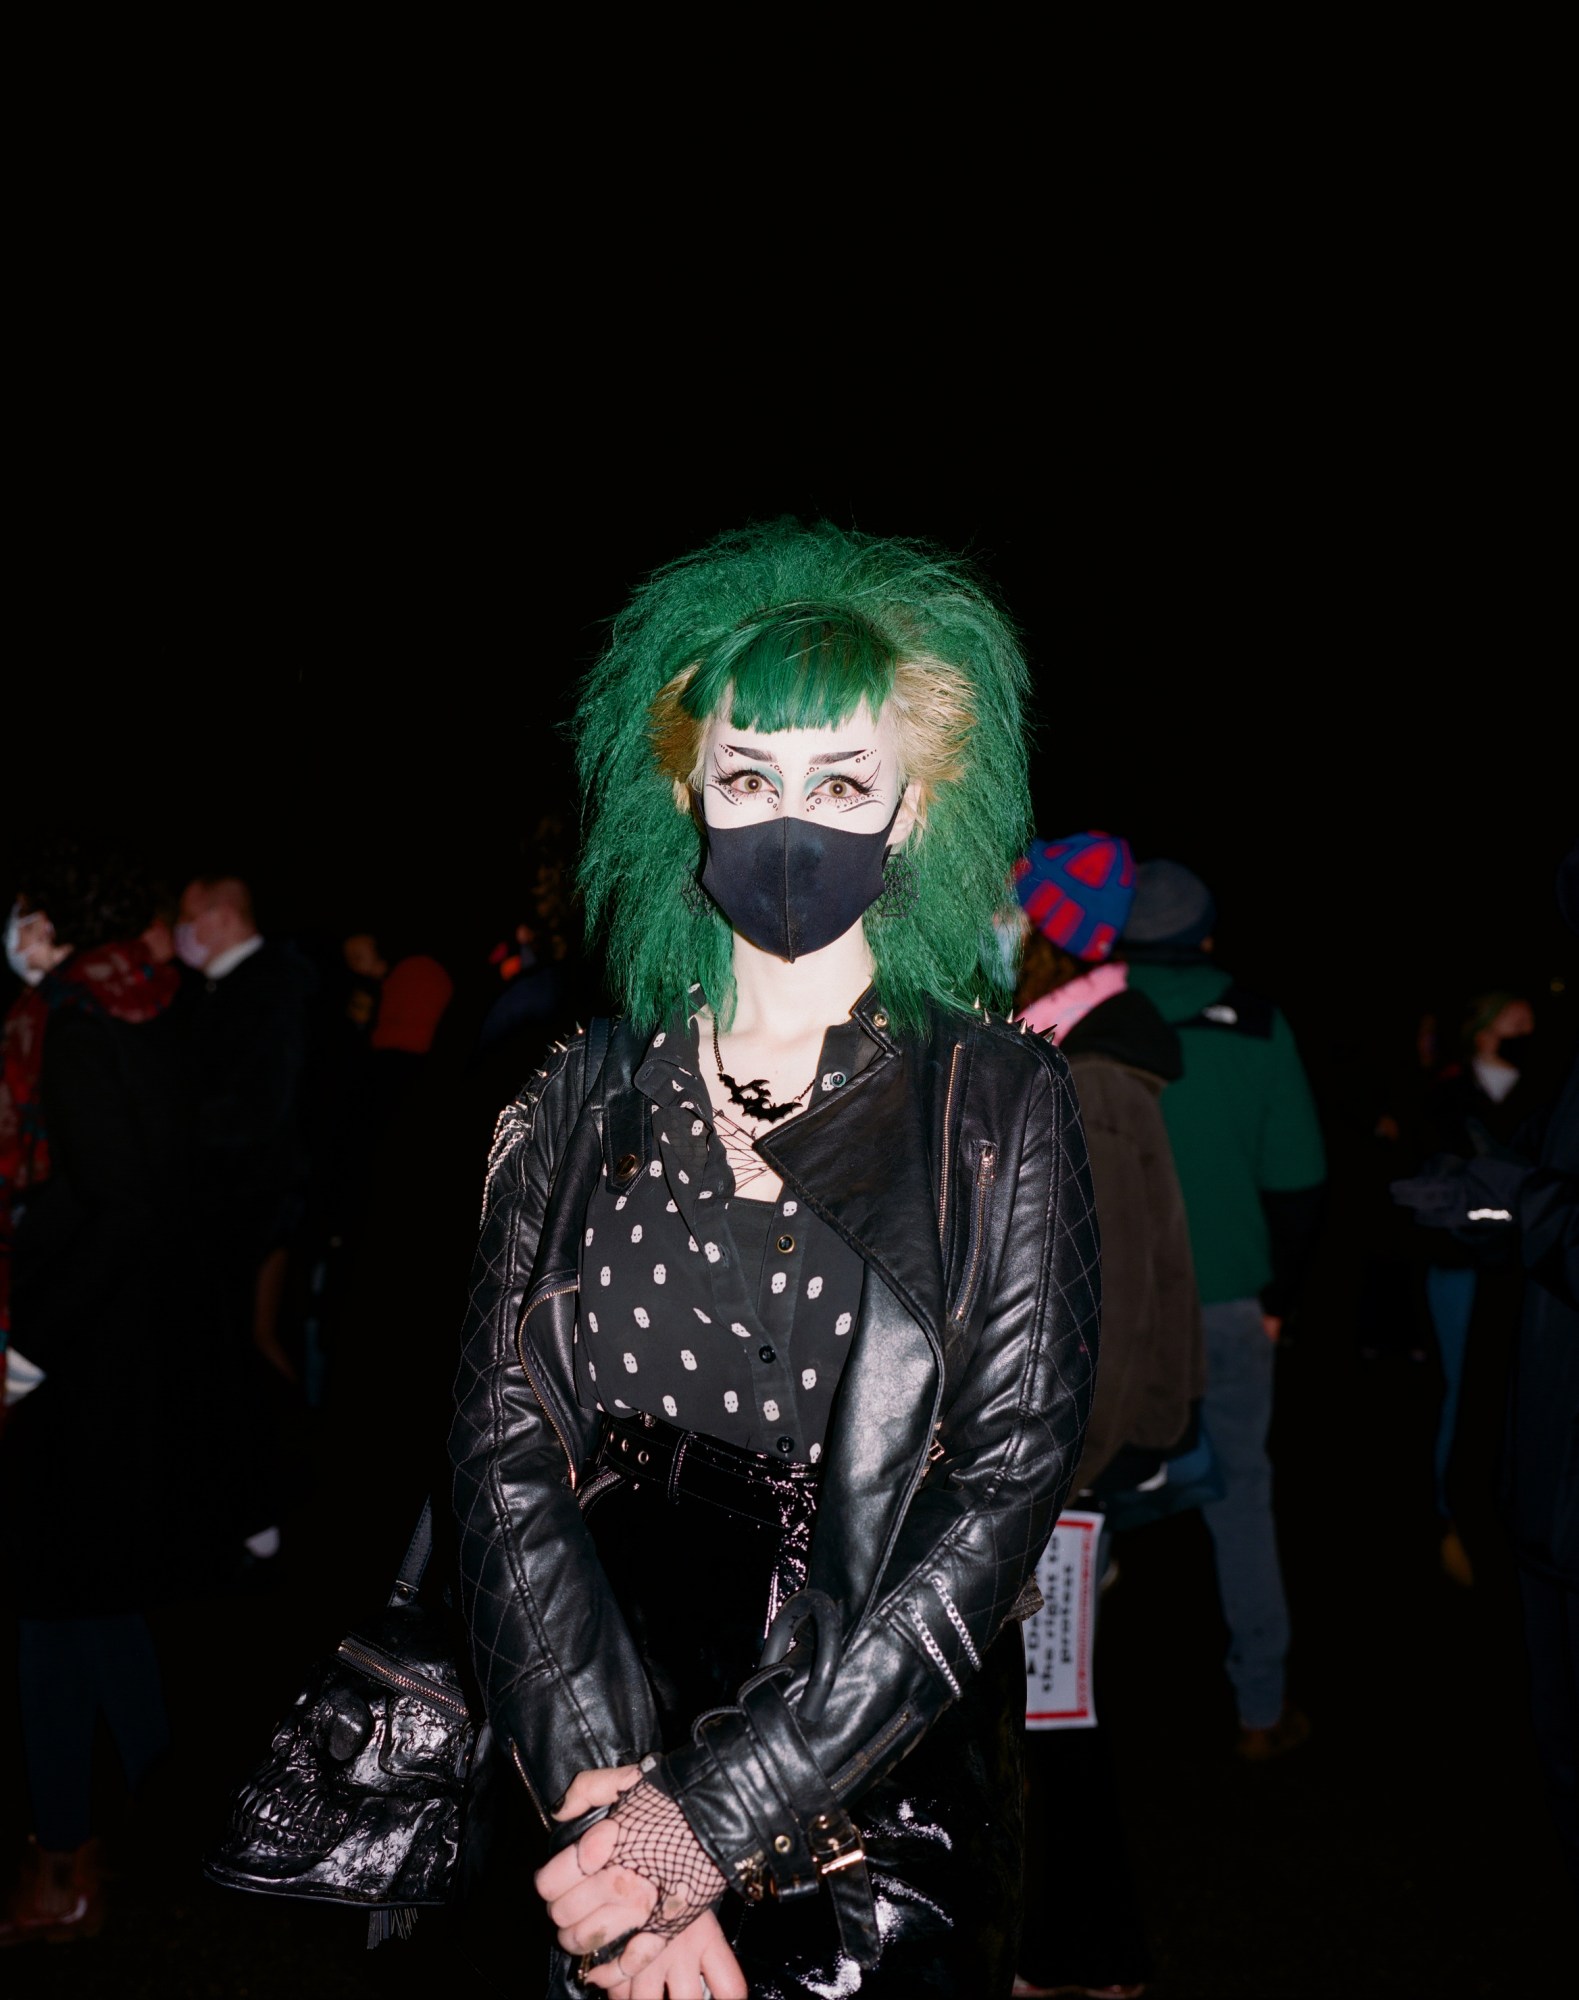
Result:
1241,1121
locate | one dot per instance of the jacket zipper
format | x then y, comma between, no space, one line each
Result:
847,1774
948,1119
986,1174
605,1479
520,1771
372,1661
934,1651
558,1292
956,1618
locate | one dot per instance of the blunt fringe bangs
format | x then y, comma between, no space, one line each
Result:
793,627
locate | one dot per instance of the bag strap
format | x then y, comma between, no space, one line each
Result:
414,1563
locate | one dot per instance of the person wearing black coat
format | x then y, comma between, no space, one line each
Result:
784,1311
88,1458
245,1013
1530,1190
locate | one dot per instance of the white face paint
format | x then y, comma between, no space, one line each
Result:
847,775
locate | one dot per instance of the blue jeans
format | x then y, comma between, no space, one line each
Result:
1450,1293
1238,1413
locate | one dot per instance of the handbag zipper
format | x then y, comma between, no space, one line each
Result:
986,1174
558,1292
383,1668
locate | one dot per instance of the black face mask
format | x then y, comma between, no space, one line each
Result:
790,886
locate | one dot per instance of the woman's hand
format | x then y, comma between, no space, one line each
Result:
650,1967
595,1897
591,1903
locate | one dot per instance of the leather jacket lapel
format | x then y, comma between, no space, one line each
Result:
862,1160
875,1451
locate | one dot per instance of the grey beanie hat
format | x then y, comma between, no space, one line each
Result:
1171,906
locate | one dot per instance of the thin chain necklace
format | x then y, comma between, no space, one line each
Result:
753,1097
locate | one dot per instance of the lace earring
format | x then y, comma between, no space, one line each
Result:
900,891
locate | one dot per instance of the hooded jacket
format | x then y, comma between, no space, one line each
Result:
954,1164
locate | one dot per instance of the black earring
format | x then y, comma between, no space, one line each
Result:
694,896
900,892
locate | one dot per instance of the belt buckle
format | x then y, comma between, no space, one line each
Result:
835,1843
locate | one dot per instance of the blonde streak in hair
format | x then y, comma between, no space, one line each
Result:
676,736
933,710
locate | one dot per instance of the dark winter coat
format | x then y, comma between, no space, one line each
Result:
248,1042
1122,1054
89,1461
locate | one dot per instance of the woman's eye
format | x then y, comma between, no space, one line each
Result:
748,785
844,787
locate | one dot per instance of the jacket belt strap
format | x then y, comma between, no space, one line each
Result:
838,1860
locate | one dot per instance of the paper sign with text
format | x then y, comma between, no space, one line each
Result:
1059,1637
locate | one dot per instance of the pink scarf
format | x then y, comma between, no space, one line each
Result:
1065,1005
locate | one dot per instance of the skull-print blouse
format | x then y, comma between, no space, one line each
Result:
703,1307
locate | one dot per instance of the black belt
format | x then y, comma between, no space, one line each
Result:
689,1465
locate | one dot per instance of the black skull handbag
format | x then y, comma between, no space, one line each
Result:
362,1797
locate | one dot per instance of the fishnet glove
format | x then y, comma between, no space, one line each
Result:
654,1840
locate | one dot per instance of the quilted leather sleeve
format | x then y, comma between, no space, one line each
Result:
972,1534
559,1674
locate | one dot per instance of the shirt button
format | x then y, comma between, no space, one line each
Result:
766,1354
786,1244
786,1445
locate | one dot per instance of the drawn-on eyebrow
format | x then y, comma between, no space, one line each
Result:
755,756
835,757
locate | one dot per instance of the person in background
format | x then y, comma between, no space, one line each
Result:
1526,1195
1249,1153
1469,1284
412,993
398,1001
247,1021
1083,1931
94,1188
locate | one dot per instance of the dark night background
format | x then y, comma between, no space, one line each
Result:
308,555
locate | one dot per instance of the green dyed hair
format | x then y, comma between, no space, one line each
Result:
794,627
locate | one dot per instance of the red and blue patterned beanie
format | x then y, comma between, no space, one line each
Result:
1077,891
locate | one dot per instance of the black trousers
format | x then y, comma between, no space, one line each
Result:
943,1833
1551,1634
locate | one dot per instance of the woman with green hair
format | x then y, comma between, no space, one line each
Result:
784,1314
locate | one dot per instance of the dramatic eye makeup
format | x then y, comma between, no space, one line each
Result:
743,773
847,789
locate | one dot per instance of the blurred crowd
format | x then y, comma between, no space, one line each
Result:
199,1119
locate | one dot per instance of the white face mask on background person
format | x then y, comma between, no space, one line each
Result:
189,949
17,952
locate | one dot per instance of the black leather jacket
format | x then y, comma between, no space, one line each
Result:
954,1163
